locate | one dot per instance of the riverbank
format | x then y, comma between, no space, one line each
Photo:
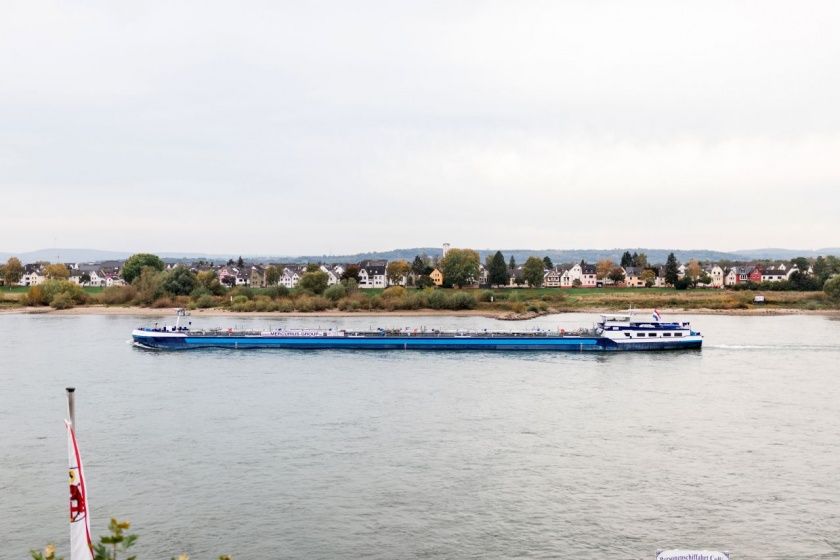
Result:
492,314
511,304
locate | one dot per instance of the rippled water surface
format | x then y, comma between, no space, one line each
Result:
346,454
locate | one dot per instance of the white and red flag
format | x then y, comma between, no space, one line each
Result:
81,547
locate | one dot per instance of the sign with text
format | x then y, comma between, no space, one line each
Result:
679,554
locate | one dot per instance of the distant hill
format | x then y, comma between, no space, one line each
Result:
521,255
97,255
787,254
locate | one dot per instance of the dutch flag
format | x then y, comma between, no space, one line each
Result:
656,315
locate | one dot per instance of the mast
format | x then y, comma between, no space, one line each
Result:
71,405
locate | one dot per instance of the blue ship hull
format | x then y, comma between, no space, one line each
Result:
152,340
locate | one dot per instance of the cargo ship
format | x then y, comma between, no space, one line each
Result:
613,332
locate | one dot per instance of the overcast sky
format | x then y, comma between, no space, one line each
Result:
333,127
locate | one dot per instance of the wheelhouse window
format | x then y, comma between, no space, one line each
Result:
652,334
677,334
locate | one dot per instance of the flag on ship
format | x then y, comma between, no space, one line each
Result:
656,315
81,546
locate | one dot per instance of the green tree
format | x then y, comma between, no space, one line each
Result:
13,271
180,281
149,285
84,278
497,271
209,281
693,271
603,268
533,271
460,267
315,282
648,277
424,281
512,263
672,270
640,260
352,271
397,270
239,262
820,267
832,288
57,271
418,267
272,275
616,275
626,259
547,263
683,283
801,263
312,267
350,284
135,263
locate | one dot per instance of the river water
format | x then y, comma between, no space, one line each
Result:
346,454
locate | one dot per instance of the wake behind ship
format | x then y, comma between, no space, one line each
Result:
614,332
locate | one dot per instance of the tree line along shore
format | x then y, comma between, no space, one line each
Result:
152,285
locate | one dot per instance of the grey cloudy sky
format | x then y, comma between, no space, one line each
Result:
331,127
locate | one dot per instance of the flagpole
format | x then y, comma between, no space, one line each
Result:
71,404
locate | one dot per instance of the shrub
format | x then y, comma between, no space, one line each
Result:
206,301
285,306
46,292
462,300
537,306
437,300
335,292
417,300
248,293
312,303
394,292
486,295
165,301
264,303
275,292
117,295
61,300
243,306
832,288
353,303
34,296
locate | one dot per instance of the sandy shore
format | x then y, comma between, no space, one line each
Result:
166,312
